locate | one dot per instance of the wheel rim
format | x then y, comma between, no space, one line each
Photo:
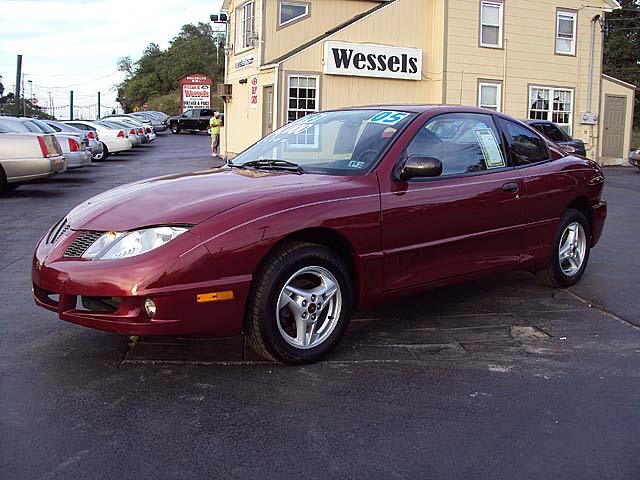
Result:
572,249
309,307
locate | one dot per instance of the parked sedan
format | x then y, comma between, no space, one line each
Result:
559,136
88,136
135,135
25,157
74,148
335,211
142,127
158,124
113,140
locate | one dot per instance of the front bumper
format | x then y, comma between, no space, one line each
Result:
67,286
634,161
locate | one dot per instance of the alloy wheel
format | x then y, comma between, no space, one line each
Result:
309,307
572,249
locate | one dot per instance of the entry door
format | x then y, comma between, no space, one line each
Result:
267,110
615,109
463,221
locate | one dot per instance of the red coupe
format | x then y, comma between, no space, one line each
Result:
335,211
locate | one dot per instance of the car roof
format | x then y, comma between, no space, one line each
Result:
423,108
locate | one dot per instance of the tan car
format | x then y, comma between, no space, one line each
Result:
28,156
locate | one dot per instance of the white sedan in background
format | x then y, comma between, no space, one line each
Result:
28,156
113,140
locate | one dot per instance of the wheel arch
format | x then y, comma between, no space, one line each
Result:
583,205
327,237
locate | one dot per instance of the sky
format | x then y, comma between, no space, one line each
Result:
75,44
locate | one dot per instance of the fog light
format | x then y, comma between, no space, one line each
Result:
150,307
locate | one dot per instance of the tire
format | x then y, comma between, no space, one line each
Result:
175,128
299,266
4,185
104,155
568,272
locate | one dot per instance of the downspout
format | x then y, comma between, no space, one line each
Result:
594,22
276,98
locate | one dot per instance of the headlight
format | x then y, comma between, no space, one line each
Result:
114,245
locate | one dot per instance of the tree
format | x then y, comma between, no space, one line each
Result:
622,47
155,75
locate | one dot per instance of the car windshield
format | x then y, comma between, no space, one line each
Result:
346,142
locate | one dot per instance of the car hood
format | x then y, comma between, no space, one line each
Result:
188,198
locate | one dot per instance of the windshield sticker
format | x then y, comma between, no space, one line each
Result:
355,164
490,148
388,118
312,117
294,128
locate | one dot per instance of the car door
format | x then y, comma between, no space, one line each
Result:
550,186
466,220
189,119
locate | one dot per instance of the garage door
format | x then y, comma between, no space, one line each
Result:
614,116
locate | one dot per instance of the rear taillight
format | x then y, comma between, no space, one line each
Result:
121,134
73,145
43,147
91,135
132,131
148,130
141,131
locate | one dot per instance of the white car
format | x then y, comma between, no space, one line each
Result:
28,156
134,134
147,128
113,140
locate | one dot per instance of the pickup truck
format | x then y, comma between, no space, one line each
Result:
194,119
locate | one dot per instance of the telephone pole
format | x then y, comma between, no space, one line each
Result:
18,78
98,106
71,105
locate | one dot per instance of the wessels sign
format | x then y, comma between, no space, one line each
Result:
342,58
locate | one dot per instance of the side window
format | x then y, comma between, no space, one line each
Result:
526,146
188,113
206,113
463,142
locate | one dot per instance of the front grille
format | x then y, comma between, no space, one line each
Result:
82,243
58,230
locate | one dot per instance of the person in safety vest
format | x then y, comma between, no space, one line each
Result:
214,125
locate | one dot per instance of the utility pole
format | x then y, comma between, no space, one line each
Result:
51,105
98,106
24,97
71,105
31,94
18,77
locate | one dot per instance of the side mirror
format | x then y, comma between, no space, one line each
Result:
418,166
568,148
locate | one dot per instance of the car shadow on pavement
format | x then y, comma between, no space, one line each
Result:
511,316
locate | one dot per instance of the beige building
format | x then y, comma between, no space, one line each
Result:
531,59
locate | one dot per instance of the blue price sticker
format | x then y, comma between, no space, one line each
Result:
388,118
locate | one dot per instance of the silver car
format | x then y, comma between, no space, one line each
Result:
27,156
90,138
76,153
159,124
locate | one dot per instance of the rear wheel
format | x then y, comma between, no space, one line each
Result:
175,128
570,251
103,155
4,185
301,304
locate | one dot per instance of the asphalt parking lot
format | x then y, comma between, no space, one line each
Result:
501,378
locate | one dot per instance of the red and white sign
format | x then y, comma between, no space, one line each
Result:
34,101
195,91
253,92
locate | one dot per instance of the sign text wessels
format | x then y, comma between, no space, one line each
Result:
372,61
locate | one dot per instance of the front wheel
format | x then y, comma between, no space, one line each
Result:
174,128
571,251
301,304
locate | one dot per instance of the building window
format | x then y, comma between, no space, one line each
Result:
566,33
303,100
292,11
489,95
244,26
553,104
491,16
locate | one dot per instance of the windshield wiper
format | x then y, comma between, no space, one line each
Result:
268,164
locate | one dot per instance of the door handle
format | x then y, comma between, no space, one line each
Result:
510,187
